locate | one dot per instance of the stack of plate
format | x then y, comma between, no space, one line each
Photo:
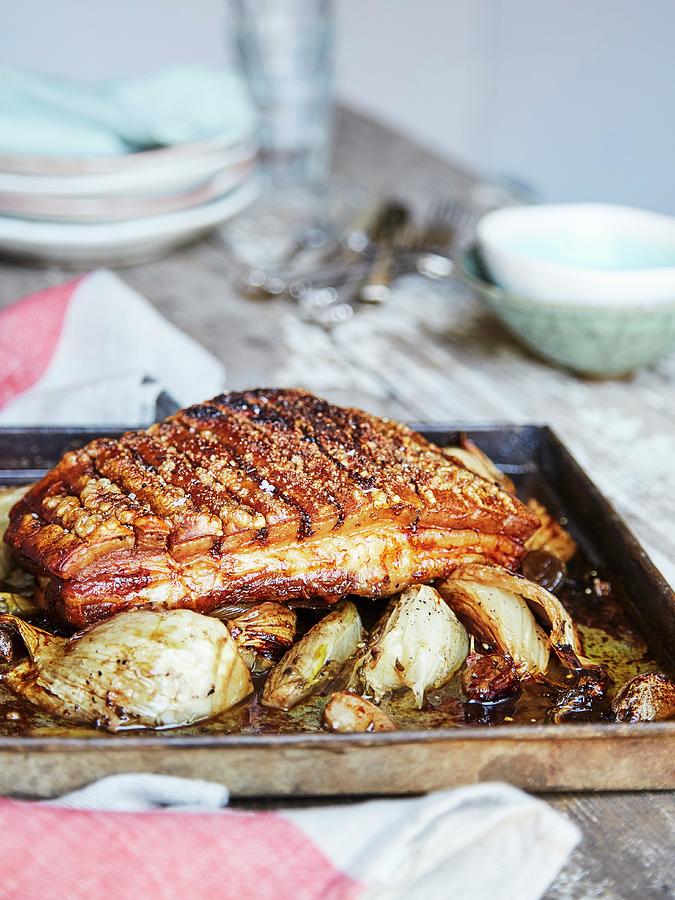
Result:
118,210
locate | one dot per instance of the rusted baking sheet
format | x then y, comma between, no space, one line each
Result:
593,756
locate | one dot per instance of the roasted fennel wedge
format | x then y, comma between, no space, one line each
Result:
263,633
419,643
473,459
141,668
503,620
497,605
316,659
550,536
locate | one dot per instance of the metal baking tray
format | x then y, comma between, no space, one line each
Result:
592,756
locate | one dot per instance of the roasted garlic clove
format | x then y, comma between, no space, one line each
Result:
579,701
263,633
141,668
419,643
550,536
473,459
348,712
8,497
645,698
315,659
488,677
496,604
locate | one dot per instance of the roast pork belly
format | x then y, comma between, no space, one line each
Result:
266,494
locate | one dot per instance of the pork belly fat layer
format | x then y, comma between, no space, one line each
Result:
375,562
263,493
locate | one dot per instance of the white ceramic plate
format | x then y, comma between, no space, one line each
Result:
119,243
49,165
154,171
122,206
581,253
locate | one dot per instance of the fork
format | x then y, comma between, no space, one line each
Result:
425,250
434,244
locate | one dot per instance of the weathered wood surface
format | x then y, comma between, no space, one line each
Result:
431,354
627,851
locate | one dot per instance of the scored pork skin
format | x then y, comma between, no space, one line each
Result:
266,494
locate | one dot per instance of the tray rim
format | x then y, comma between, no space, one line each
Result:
326,740
150,740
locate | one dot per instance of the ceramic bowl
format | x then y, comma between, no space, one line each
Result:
605,342
585,253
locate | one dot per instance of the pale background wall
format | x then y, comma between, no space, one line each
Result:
573,96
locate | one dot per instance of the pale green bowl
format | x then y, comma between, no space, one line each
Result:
606,343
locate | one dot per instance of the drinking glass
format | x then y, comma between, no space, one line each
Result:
285,50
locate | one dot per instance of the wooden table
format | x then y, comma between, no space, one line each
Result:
431,354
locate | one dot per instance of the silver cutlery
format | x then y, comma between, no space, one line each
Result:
329,298
382,244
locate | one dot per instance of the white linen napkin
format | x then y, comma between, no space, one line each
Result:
93,351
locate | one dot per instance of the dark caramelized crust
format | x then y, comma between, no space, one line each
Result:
267,494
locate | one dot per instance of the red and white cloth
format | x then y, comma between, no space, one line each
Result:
130,836
92,351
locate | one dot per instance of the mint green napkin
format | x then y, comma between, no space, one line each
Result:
44,114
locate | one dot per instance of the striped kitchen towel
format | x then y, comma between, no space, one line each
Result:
154,836
92,351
